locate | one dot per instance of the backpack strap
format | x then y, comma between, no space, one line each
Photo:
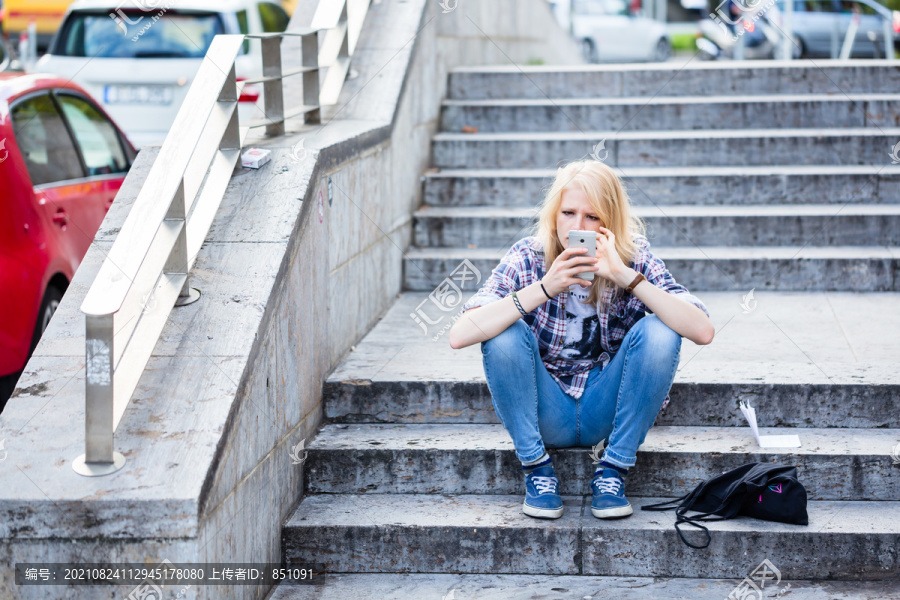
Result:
682,519
662,505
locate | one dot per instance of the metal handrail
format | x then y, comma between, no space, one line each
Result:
146,271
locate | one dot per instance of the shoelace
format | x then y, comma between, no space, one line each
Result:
545,485
608,485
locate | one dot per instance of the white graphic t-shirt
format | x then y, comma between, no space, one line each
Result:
582,327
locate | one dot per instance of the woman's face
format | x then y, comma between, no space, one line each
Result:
575,213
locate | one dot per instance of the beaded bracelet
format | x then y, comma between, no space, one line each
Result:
518,304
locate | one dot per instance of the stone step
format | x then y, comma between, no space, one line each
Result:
675,79
442,586
812,360
407,533
834,464
782,268
849,146
662,112
732,225
704,404
699,186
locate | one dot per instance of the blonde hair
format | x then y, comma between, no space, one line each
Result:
608,200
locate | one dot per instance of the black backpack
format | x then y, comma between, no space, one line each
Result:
760,490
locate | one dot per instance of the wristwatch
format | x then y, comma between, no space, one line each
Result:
640,277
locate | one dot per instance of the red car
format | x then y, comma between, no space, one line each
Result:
62,160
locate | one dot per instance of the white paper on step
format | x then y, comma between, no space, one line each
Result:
767,441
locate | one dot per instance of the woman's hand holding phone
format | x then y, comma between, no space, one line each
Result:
563,271
575,260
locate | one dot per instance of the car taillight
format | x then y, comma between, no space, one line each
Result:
249,92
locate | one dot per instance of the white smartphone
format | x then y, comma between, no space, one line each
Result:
584,239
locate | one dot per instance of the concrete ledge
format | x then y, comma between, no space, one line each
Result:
339,533
479,459
490,534
729,225
802,359
697,78
667,113
850,146
818,339
699,186
778,269
701,404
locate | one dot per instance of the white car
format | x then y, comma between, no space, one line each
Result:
613,31
138,57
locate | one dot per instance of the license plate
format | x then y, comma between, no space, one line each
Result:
138,94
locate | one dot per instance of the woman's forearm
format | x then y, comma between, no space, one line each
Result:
480,324
683,317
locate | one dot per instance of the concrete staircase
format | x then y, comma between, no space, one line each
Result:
776,178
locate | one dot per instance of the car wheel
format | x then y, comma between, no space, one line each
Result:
588,51
49,304
663,51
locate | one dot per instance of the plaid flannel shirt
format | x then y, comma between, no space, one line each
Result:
524,265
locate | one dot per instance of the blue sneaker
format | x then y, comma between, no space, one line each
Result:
542,492
609,500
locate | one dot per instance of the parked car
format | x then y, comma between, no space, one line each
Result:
614,31
816,22
139,64
62,161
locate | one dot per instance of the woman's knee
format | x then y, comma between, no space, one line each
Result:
658,339
511,342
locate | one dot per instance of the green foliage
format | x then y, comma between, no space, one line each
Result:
684,41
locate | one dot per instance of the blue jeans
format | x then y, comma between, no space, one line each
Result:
619,404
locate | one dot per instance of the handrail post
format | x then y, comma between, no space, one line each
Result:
178,260
273,90
309,57
231,138
336,50
888,33
344,52
787,25
99,457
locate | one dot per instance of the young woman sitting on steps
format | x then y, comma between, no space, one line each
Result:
570,362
